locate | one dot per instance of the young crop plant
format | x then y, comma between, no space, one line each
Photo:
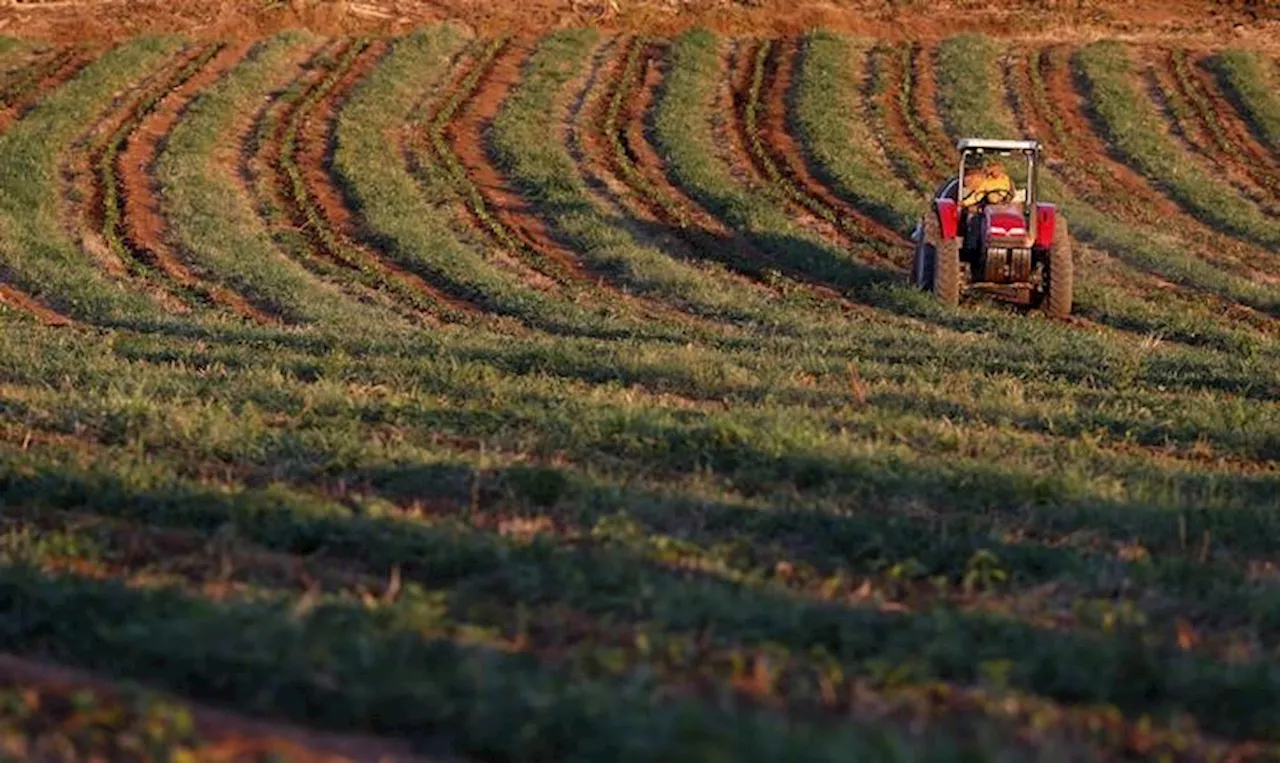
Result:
1134,127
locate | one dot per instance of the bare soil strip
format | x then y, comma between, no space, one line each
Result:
144,227
20,300
227,736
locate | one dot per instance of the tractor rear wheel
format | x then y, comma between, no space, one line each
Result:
1060,273
946,272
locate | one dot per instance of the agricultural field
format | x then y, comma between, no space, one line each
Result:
561,396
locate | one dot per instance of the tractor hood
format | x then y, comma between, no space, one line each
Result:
1006,226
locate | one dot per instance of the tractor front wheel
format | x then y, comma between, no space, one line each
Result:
925,253
1060,273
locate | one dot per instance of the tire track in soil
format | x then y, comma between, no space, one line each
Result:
1174,70
621,165
1234,123
143,223
467,136
791,165
1115,187
45,77
332,226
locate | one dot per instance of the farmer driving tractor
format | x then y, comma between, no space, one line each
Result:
987,182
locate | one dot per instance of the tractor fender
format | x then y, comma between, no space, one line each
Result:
948,217
1046,222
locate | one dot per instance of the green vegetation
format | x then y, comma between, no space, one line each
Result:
797,528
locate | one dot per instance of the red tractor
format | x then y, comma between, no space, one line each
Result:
990,237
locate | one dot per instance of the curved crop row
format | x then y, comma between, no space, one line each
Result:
768,122
547,176
212,220
318,208
1134,128
38,255
108,171
1202,128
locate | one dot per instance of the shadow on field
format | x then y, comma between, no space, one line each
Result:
396,669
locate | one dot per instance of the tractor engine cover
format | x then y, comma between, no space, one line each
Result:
1007,265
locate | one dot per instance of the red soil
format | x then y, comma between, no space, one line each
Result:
897,118
143,214
1206,21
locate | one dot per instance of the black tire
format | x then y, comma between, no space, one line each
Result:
1060,273
926,247
946,272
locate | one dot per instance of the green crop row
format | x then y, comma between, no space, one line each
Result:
213,218
391,205
546,174
367,272
29,76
